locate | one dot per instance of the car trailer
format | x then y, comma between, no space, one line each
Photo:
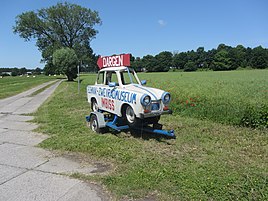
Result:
99,122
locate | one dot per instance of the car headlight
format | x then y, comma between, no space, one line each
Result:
145,100
166,97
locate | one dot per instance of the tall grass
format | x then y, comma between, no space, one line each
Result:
227,97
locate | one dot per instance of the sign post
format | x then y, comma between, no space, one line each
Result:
78,73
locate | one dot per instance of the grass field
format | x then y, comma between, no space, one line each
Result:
207,161
224,97
10,86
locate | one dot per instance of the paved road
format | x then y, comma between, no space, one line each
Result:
30,173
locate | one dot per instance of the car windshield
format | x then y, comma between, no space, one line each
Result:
128,77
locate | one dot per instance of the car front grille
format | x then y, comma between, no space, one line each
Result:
155,106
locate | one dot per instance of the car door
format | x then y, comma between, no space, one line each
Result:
107,102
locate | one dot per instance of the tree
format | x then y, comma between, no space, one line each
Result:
63,25
201,60
137,64
190,66
210,57
259,57
223,47
14,71
221,61
23,71
149,62
66,62
164,61
37,71
191,56
238,56
179,60
49,68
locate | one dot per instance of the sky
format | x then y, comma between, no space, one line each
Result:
142,27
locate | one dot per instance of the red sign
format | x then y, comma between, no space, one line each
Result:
114,61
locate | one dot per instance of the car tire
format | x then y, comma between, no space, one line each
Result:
130,117
93,124
94,105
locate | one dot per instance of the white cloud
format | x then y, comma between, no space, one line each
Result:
162,23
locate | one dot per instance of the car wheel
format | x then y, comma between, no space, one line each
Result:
130,117
94,105
94,125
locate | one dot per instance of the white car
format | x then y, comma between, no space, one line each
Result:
119,91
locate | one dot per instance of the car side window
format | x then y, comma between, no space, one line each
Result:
111,77
100,79
128,78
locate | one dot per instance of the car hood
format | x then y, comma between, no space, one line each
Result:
155,94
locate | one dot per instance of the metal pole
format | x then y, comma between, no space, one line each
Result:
78,72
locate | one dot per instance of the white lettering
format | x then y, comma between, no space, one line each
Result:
120,58
113,61
110,61
104,61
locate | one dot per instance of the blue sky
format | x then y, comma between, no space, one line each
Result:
144,27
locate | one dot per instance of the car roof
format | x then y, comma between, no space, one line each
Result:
120,68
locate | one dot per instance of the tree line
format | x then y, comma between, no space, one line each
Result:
19,71
222,58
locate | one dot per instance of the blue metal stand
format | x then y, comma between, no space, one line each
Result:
149,129
113,124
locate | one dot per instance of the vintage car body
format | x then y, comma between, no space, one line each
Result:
119,91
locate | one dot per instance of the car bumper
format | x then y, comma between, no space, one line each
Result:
154,114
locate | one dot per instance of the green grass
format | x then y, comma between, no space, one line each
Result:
224,97
207,160
42,89
10,86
